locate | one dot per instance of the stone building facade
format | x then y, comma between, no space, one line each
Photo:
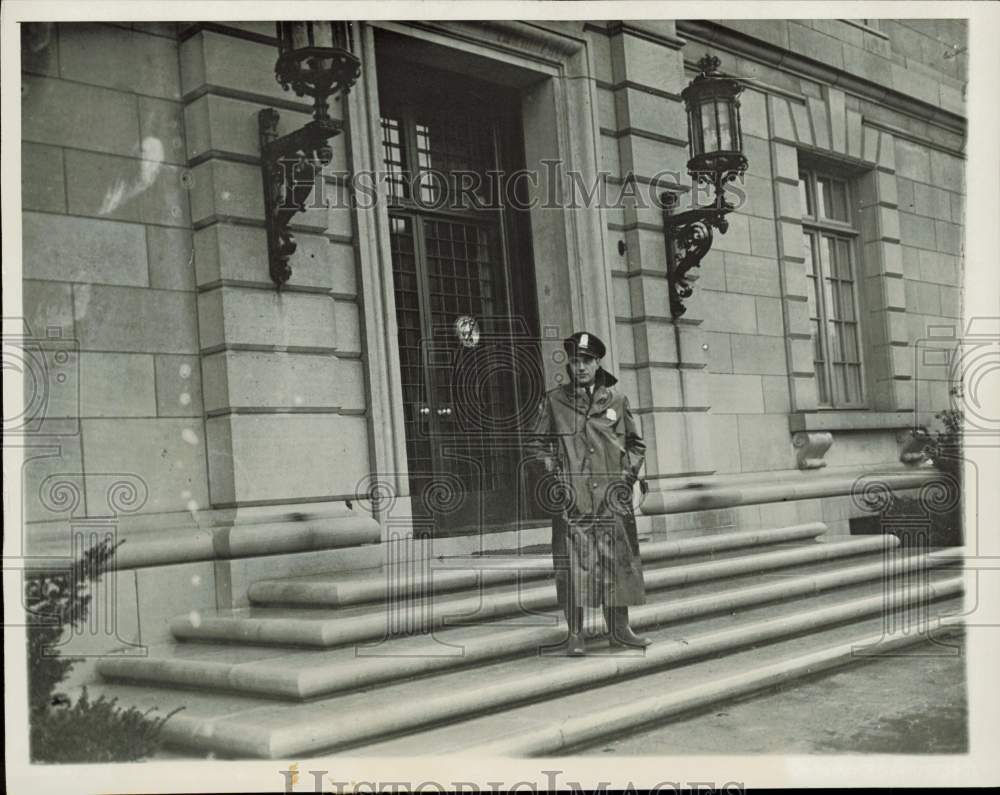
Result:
225,430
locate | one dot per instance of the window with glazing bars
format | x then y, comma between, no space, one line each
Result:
830,249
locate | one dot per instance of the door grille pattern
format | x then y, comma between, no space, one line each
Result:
475,381
450,261
409,333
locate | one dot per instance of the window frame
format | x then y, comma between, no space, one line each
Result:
408,110
816,228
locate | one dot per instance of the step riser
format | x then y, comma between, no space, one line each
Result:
725,601
285,592
731,567
600,725
475,609
386,668
574,674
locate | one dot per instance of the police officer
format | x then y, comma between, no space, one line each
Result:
586,437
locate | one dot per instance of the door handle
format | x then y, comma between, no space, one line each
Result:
445,412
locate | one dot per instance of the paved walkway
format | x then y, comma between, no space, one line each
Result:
915,703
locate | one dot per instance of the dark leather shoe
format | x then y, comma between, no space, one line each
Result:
623,636
575,646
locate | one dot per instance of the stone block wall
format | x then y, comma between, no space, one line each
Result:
662,365
284,380
108,267
931,212
183,394
877,101
144,245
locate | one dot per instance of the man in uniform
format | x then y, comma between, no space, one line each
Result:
586,438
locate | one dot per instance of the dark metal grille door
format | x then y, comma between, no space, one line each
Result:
409,336
453,288
460,407
461,262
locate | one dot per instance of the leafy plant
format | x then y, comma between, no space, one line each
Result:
87,731
935,517
95,731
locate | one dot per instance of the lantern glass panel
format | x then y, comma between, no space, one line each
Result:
697,140
322,34
736,144
709,127
725,124
299,35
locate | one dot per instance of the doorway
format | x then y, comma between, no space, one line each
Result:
463,281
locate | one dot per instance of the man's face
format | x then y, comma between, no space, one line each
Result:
584,368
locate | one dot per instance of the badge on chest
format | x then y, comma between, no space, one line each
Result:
612,415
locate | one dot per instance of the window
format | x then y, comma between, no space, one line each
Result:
830,250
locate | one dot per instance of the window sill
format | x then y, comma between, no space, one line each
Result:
849,420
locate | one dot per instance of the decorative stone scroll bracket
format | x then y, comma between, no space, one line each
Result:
810,448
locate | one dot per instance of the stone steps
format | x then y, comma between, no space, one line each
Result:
326,627
249,725
457,573
576,723
301,674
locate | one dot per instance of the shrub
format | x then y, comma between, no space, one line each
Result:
95,731
935,517
87,731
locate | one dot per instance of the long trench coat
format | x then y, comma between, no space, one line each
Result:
595,452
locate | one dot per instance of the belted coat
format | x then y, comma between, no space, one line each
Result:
595,452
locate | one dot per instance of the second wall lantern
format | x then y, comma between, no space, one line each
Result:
314,59
715,138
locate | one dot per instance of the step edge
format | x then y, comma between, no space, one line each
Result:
692,608
282,743
182,626
576,733
262,592
525,688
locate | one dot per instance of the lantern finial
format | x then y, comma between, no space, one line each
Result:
709,64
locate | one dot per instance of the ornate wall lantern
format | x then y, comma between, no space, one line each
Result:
716,144
314,59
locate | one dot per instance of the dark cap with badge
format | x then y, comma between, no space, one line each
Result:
583,343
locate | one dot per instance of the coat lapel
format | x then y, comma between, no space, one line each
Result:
602,397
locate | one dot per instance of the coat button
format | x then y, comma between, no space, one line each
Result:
591,449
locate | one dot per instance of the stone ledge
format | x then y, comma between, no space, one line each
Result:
715,493
850,420
162,539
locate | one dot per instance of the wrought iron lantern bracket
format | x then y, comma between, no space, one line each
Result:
689,237
716,141
316,60
290,164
